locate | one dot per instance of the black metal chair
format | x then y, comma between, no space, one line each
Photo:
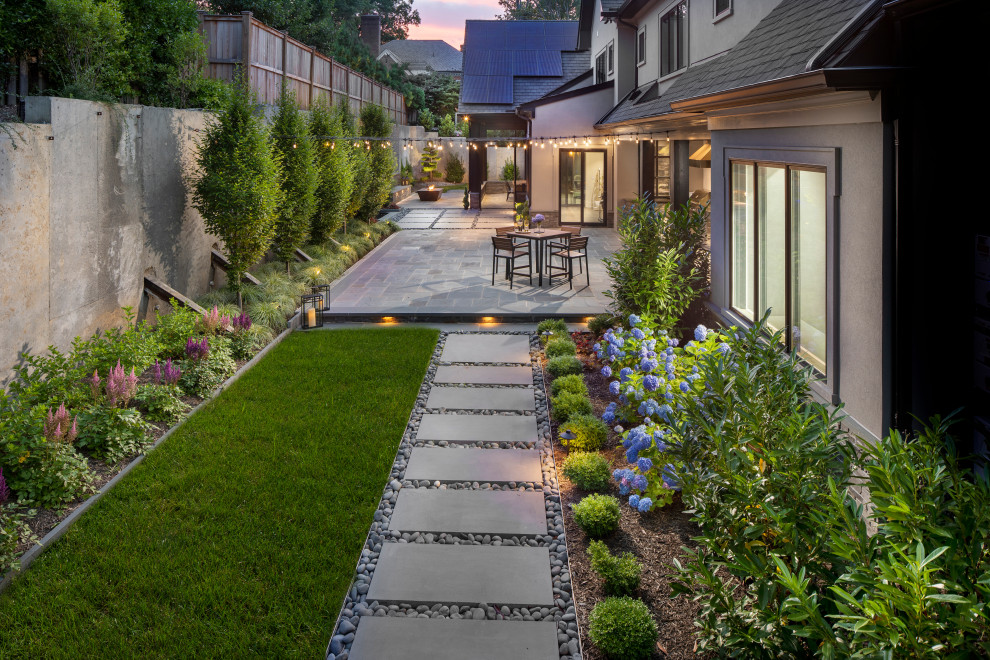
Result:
504,248
576,250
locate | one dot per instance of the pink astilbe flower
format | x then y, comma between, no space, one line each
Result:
4,491
225,322
211,320
121,387
94,385
57,427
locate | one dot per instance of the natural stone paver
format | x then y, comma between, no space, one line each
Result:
486,348
481,398
478,428
382,638
482,465
483,375
505,513
457,574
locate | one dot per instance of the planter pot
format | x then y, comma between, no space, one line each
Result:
427,195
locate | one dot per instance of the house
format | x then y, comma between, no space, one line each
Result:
819,133
422,56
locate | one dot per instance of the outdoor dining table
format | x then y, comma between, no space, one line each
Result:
540,238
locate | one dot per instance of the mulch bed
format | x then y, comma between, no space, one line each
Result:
655,538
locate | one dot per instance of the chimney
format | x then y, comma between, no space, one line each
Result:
371,33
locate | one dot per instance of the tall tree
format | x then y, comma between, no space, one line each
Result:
294,148
333,159
381,160
237,188
441,92
360,165
539,10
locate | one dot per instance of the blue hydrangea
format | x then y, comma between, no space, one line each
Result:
647,420
651,344
632,454
665,412
700,333
638,334
624,489
623,399
648,365
634,320
597,346
644,464
651,383
634,501
613,350
613,388
684,386
669,475
618,428
645,505
639,482
625,374
608,416
723,348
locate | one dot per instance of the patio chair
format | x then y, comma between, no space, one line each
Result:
504,248
575,251
502,231
563,242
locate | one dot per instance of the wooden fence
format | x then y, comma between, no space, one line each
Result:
274,57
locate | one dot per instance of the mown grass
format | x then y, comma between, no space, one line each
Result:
239,535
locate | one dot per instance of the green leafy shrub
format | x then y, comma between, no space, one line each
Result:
333,160
572,383
588,470
619,573
161,403
455,169
551,328
590,432
112,433
564,365
623,628
567,404
427,119
560,346
299,178
509,171
447,126
13,532
599,324
597,515
381,160
174,328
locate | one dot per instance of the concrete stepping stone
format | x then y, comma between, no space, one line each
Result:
478,428
380,638
483,375
482,465
462,575
505,513
481,398
512,349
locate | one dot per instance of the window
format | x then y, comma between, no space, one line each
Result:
611,56
601,66
641,46
778,250
721,8
673,40
661,172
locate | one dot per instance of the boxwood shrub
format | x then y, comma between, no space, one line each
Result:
619,573
597,515
556,328
564,365
588,470
560,346
591,433
623,628
573,383
567,404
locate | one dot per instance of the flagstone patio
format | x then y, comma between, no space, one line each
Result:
422,273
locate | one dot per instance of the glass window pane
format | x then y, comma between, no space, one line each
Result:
722,6
570,186
772,276
594,187
808,241
742,230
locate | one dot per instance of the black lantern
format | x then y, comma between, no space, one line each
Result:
312,311
567,435
323,290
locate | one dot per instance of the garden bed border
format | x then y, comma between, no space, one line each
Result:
55,534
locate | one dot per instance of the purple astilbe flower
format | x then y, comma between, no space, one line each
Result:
121,386
607,371
634,501
197,350
167,376
4,491
242,322
645,505
158,373
225,321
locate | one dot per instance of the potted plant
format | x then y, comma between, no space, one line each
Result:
405,173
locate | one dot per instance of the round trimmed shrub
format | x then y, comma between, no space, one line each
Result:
620,574
567,404
600,324
557,327
564,365
591,433
560,346
622,627
588,470
572,383
597,515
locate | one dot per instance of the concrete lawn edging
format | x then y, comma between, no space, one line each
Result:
59,531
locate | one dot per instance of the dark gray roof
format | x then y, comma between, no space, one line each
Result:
525,89
779,46
433,54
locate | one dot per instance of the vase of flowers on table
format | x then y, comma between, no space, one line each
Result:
522,215
538,221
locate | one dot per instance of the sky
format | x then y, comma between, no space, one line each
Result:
444,19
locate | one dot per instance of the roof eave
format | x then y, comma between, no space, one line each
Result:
570,94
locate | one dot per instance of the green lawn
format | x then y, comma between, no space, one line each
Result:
237,537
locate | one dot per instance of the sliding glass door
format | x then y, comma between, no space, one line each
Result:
582,187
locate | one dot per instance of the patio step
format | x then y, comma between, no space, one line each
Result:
482,398
483,375
509,349
380,638
469,464
462,575
503,513
478,428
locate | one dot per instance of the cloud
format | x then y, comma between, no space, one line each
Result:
445,20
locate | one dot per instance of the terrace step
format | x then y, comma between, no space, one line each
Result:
481,398
462,575
509,349
503,513
482,465
478,428
379,638
447,374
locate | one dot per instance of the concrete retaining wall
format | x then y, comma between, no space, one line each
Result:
86,214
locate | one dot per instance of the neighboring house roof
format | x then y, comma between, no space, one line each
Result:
611,5
511,62
781,45
424,54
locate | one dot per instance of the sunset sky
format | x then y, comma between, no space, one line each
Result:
443,19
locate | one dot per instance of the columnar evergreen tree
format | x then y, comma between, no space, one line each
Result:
237,188
294,149
359,162
381,160
333,159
